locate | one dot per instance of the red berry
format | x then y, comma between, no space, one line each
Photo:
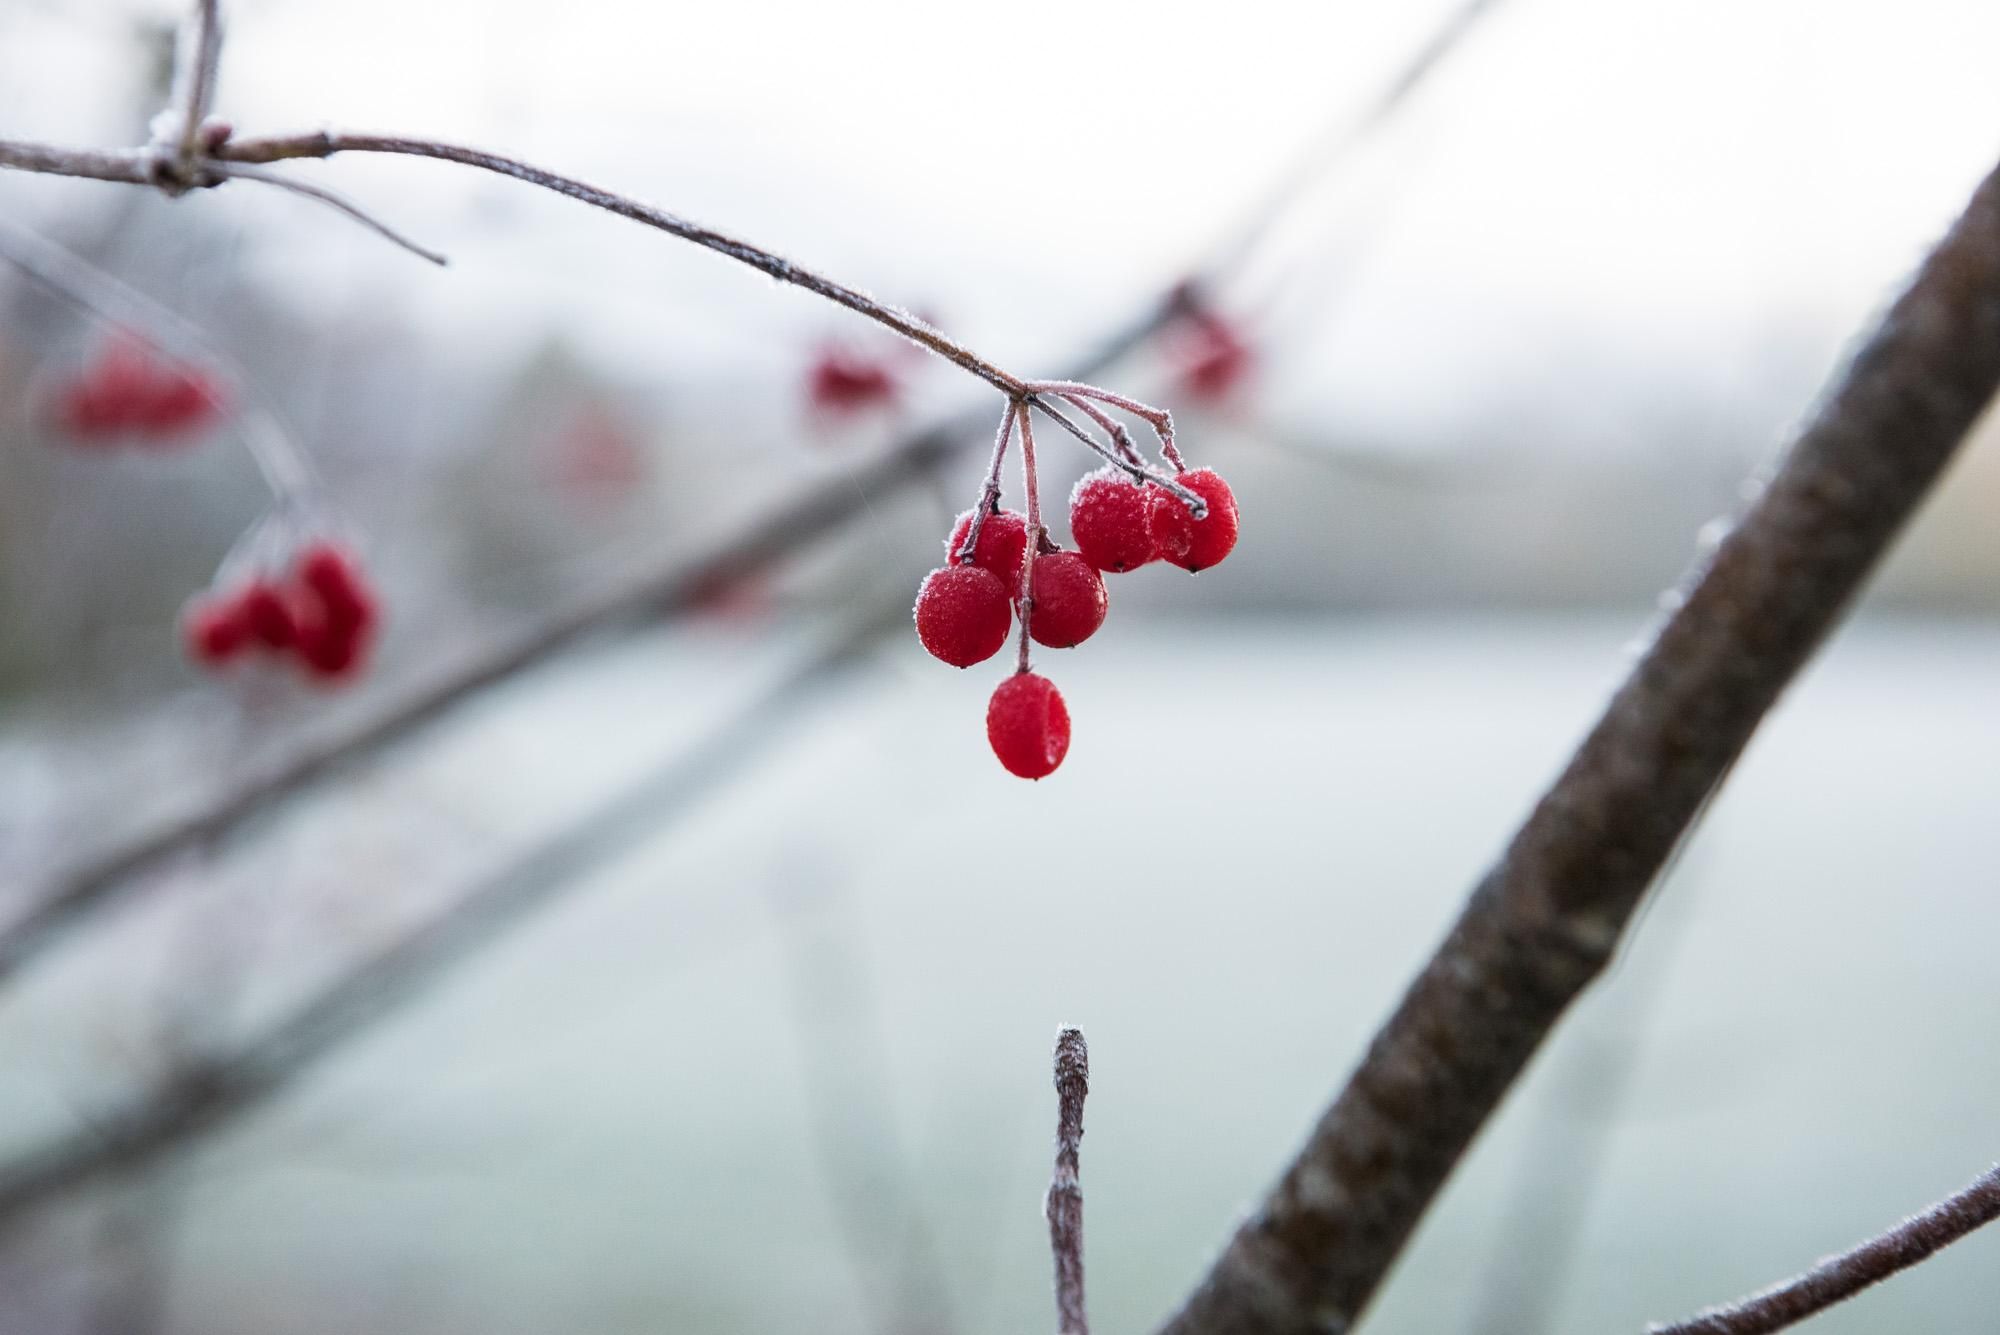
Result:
1108,518
214,632
1069,600
1214,359
268,616
1003,541
329,651
333,578
844,382
1196,544
1028,725
963,614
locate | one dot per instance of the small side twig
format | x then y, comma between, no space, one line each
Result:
333,199
1064,1206
1838,1278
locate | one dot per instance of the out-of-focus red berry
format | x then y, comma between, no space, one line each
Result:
214,632
266,611
1212,361
847,383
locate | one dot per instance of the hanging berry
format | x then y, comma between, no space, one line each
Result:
1028,725
963,614
132,393
1069,600
1110,517
1190,543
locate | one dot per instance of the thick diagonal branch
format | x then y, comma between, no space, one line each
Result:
1545,920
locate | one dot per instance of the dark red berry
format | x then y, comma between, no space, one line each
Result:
334,579
1069,600
1028,725
1196,544
215,632
1213,360
963,614
268,616
1109,518
845,382
329,651
1003,541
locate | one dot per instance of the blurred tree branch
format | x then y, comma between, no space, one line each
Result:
1546,919
208,1092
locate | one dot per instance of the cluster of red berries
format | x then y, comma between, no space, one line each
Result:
129,392
1119,522
321,612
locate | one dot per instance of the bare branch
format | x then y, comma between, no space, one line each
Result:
206,1094
1064,1206
1546,918
326,143
1838,1278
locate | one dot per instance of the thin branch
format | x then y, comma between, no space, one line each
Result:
208,1093
1546,918
326,143
335,200
1838,1278
1064,1206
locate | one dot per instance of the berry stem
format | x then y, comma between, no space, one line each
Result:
1034,544
989,495
1120,437
1159,419
1197,506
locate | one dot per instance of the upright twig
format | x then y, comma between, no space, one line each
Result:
1838,1278
1546,918
1064,1205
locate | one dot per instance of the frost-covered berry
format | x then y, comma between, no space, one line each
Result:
1109,518
1003,541
214,632
1028,725
1195,544
962,614
1069,600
